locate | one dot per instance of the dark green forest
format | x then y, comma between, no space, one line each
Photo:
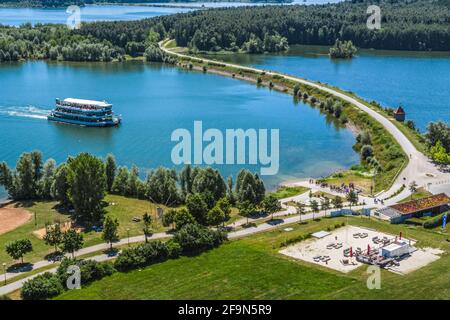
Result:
405,25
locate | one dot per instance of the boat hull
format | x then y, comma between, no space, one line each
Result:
113,123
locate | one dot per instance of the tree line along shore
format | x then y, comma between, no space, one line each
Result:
406,25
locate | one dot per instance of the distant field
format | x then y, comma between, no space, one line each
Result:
252,268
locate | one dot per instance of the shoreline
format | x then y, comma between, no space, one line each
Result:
414,166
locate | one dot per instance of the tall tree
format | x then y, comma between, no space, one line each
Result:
271,204
186,180
246,209
249,187
300,209
110,231
53,235
133,182
87,185
352,198
337,202
18,248
215,216
182,218
314,207
225,205
72,241
197,207
209,180
60,186
121,180
48,178
325,204
147,219
110,171
162,186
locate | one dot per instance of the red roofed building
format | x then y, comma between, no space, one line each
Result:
431,205
399,114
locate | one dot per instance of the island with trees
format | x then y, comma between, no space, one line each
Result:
342,50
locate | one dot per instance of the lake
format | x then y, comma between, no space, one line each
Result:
89,13
18,16
154,100
418,81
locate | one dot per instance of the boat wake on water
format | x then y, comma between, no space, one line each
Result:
26,111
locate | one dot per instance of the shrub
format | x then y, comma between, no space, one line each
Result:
42,287
436,221
194,238
141,256
173,249
366,151
129,259
296,89
91,270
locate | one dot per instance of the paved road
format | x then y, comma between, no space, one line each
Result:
419,169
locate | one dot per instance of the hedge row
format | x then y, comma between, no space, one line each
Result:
49,285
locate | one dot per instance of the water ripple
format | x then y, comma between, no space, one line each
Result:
26,111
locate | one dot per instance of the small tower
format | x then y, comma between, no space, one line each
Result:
399,114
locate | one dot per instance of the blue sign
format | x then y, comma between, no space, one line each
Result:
444,221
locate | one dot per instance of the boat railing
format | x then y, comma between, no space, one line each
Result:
80,105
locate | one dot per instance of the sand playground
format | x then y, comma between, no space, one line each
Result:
331,250
12,217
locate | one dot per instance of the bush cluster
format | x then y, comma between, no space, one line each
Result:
436,221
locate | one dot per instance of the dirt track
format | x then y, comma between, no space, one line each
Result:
11,218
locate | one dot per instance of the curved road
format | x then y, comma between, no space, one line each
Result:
419,169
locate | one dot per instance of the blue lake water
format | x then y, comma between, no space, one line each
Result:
18,16
418,81
154,100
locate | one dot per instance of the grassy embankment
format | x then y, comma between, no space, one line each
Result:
122,208
420,193
386,149
252,268
289,191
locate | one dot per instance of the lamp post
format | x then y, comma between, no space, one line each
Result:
128,236
4,271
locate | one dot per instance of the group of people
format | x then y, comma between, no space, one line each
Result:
343,188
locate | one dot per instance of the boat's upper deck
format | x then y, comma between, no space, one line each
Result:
83,104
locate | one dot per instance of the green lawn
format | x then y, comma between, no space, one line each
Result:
420,193
124,209
286,192
252,268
